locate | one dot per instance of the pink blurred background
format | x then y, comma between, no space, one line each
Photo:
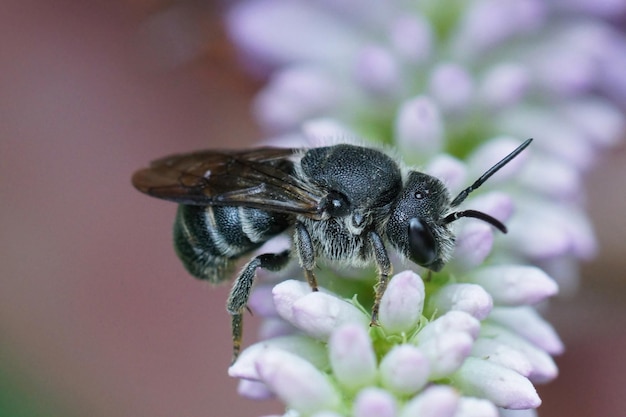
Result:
97,316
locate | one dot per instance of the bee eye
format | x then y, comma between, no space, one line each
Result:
422,245
421,194
336,204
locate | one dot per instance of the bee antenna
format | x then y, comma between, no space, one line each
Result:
475,215
463,194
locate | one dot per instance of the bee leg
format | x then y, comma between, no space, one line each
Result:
304,245
384,270
240,293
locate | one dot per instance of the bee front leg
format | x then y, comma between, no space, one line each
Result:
384,271
240,293
306,253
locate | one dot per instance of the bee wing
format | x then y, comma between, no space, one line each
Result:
260,178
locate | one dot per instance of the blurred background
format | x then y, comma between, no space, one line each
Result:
97,316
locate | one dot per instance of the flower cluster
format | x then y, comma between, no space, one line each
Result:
454,86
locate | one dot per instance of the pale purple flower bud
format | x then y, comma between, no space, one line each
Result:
564,71
448,169
435,401
286,294
513,285
558,178
603,124
566,141
451,322
502,355
352,357
419,127
569,231
487,155
527,322
446,352
253,390
272,327
273,32
476,407
473,244
543,368
404,370
504,387
495,203
318,314
297,382
489,23
307,348
504,85
470,298
261,301
412,38
376,70
327,132
374,402
402,303
452,87
293,95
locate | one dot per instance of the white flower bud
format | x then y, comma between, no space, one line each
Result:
470,298
504,387
296,382
435,401
515,285
402,304
352,357
374,402
404,370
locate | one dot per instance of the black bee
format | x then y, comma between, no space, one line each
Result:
343,203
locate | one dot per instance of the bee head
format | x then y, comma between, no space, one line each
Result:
418,225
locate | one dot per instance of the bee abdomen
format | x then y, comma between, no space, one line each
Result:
209,239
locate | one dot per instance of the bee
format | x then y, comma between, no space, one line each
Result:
342,203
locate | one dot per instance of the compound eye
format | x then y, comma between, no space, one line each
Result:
422,245
336,204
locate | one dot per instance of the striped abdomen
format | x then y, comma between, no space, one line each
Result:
209,239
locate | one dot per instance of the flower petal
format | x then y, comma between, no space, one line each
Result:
504,387
476,407
254,390
309,349
352,357
435,401
318,314
296,382
470,298
374,402
515,285
446,352
450,322
501,354
404,370
526,322
543,368
419,128
402,303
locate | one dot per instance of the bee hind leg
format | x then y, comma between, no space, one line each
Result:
240,293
